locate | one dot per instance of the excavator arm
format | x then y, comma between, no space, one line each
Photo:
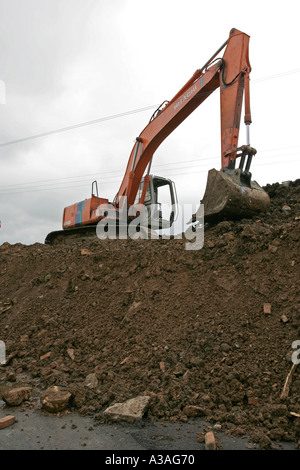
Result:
231,74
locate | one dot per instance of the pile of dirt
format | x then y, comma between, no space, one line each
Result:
191,329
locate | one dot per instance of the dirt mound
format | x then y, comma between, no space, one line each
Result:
189,328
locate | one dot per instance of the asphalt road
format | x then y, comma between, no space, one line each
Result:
34,430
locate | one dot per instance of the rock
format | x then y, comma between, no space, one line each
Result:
71,354
131,410
91,381
54,399
284,318
15,396
86,252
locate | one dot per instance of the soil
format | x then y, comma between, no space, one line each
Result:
147,317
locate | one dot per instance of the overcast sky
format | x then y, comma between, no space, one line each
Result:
67,62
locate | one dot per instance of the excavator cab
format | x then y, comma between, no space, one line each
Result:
160,201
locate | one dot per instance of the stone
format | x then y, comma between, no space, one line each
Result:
131,410
91,381
71,354
54,399
15,396
86,252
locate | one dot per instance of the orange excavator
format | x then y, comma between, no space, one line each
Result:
230,192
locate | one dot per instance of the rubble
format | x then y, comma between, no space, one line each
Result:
16,396
210,441
131,410
54,399
149,318
7,421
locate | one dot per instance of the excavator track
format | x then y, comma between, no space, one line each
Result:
70,235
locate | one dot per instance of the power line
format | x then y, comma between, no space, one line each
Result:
115,116
171,166
278,75
76,126
197,161
105,182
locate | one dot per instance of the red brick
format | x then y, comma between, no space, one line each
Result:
210,442
267,308
6,421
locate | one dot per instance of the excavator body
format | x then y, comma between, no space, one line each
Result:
230,192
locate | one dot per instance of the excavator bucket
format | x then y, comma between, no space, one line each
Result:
229,196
